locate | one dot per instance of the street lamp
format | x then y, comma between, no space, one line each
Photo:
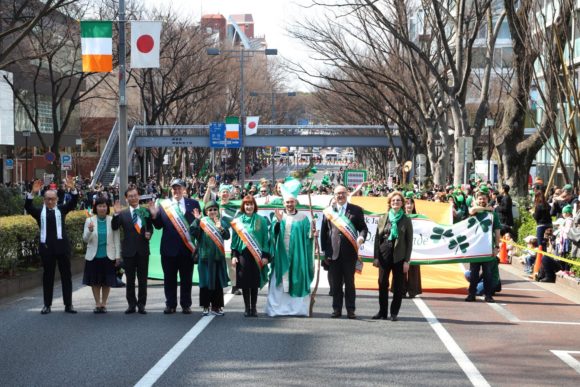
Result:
26,133
79,144
242,54
489,123
273,119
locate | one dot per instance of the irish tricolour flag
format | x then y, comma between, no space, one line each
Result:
232,128
97,46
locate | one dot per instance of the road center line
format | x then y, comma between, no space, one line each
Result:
460,357
169,358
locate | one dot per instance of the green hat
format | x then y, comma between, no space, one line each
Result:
448,187
567,209
483,189
568,187
458,196
226,187
247,186
211,203
409,195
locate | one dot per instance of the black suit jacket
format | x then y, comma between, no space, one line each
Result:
133,243
336,245
53,245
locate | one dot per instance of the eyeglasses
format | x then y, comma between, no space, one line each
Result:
395,200
340,193
263,191
212,209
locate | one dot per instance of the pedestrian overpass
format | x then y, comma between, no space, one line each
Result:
174,136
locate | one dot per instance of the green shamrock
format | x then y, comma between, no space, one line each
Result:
439,232
482,219
459,243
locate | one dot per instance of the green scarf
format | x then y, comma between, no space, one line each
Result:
394,219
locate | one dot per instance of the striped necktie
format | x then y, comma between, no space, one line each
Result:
135,217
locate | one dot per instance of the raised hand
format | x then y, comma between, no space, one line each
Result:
36,186
196,213
69,183
152,209
117,206
91,226
211,183
279,214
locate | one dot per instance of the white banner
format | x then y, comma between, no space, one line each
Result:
145,43
466,241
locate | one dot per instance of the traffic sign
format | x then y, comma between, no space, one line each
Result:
9,163
50,157
354,177
66,162
420,159
217,137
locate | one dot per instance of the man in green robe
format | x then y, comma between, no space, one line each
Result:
292,262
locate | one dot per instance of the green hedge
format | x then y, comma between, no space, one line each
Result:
19,237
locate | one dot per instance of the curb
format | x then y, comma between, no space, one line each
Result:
27,281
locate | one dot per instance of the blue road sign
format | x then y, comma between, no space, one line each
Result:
217,137
9,163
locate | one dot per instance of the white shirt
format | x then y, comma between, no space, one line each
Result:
131,209
181,204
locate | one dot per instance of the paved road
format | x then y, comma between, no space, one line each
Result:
498,344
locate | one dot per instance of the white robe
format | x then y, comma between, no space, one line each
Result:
279,302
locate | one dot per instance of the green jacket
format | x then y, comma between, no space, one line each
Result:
403,244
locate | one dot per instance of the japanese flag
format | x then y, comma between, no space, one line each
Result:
145,40
252,125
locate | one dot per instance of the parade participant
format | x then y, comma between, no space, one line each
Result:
542,217
102,255
54,247
137,230
211,231
292,259
392,252
481,206
174,216
343,231
412,282
250,253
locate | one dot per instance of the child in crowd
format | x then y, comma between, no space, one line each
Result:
529,255
511,248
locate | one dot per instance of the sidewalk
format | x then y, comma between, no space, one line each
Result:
564,287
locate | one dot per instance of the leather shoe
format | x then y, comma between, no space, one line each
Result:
130,310
351,315
168,310
70,309
470,298
394,318
336,314
489,299
142,310
379,316
45,310
186,310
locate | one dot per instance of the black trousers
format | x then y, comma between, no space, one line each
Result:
398,286
49,263
211,297
171,266
137,265
342,273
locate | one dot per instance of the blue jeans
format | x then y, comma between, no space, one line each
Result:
474,267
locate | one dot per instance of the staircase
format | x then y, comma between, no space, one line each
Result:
109,159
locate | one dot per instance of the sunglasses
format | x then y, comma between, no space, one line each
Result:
212,209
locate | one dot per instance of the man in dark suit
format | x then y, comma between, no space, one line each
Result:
137,229
54,247
177,249
341,249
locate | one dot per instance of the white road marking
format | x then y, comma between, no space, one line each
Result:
525,289
169,358
460,357
551,322
568,359
504,312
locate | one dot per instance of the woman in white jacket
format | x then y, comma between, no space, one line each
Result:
103,253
